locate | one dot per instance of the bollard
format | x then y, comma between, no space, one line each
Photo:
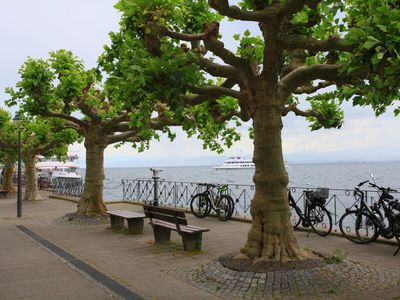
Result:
156,176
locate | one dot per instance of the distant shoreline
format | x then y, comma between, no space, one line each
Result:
290,163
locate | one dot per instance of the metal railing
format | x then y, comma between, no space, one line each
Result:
179,193
71,188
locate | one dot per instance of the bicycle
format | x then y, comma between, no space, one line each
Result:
202,203
315,214
369,221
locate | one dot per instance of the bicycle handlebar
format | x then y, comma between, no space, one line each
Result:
383,189
362,183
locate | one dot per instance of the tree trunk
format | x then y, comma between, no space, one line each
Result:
91,202
271,236
31,186
7,179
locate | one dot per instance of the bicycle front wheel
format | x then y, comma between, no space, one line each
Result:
366,229
396,232
320,220
357,227
200,205
224,208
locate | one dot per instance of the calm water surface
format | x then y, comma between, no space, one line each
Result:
338,175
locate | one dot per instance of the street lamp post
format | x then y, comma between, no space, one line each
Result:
16,121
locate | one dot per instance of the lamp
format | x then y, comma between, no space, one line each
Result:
17,121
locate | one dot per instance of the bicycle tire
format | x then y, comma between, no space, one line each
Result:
200,205
295,218
348,222
232,205
396,233
366,228
224,209
320,220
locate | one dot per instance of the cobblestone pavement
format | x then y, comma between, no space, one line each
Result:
167,272
329,281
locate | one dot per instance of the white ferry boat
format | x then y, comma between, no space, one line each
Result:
238,162
53,168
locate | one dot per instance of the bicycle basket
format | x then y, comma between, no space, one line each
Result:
319,195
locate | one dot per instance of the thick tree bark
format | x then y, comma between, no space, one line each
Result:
7,179
91,202
31,187
271,236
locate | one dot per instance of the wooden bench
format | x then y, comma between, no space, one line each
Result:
163,220
135,220
3,193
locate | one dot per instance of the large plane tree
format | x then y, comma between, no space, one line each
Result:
62,88
325,50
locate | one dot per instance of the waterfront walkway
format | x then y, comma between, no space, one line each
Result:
46,256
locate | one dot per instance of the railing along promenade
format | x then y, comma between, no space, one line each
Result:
178,194
71,188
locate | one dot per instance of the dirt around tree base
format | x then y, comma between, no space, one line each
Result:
247,265
78,219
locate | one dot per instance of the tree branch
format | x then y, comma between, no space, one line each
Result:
218,48
216,91
198,99
46,148
304,75
69,118
312,89
302,113
124,117
293,6
116,138
232,11
8,146
299,41
183,36
218,70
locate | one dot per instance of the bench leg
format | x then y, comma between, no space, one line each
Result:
135,226
116,222
161,234
192,242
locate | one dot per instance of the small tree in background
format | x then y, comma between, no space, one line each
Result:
305,46
38,137
8,159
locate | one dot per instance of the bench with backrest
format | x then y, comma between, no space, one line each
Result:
163,220
3,193
135,220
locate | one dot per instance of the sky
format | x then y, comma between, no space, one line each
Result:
34,28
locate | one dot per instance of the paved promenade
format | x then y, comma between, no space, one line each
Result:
46,256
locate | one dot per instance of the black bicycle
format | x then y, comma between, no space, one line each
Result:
382,218
315,214
212,198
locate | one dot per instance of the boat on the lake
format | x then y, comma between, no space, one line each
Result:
238,162
51,168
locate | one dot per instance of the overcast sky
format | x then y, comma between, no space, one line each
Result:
33,28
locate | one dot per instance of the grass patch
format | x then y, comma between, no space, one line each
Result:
332,290
337,257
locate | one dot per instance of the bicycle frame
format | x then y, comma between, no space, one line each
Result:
305,218
213,196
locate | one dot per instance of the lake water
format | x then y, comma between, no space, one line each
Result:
336,176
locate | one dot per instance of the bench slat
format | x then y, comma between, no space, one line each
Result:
166,214
184,228
126,214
